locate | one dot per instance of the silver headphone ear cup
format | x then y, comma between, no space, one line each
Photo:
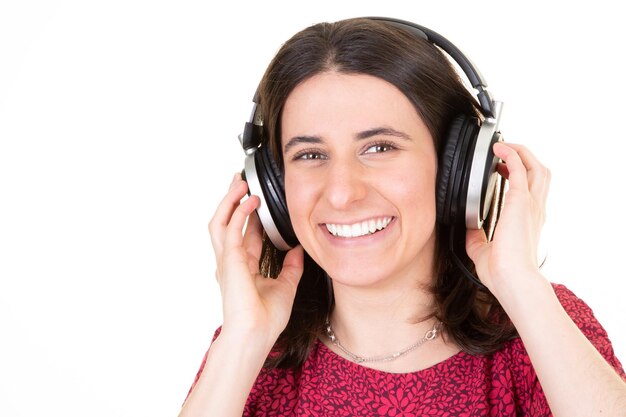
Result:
482,175
265,180
263,211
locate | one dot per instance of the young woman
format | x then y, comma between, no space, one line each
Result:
371,313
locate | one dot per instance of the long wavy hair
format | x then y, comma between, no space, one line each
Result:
471,316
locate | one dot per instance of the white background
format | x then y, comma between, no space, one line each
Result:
118,126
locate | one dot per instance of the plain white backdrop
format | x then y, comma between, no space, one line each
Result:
118,137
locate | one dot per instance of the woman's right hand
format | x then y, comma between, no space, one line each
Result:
254,307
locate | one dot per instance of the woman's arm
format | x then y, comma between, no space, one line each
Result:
575,378
226,378
255,309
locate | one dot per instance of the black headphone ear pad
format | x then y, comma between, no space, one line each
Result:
462,133
277,173
445,169
272,182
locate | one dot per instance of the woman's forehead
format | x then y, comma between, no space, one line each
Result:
348,103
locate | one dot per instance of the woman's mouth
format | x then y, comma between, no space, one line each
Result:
366,227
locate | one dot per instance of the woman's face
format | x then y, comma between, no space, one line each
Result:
360,170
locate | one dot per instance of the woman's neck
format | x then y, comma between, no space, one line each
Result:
381,323
385,318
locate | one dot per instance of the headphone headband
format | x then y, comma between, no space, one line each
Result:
474,76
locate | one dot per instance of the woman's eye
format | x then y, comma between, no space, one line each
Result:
379,148
309,156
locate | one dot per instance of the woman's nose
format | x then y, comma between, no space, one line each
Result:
345,184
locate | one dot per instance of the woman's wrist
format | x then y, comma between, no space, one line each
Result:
520,293
255,342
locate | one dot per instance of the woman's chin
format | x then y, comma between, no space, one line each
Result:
358,274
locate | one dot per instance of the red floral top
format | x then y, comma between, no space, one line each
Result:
500,384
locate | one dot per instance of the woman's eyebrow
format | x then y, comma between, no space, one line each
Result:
301,139
384,131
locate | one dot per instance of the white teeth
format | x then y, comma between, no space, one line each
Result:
358,229
372,226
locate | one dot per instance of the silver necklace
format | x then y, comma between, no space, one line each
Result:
430,335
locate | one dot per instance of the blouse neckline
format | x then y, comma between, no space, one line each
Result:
326,351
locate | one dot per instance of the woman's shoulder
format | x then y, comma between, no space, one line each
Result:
582,315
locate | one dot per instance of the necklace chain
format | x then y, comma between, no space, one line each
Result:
430,335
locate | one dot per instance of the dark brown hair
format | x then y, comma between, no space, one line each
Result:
472,316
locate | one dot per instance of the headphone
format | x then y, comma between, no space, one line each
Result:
466,176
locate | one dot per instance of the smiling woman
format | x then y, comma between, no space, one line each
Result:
370,140
409,100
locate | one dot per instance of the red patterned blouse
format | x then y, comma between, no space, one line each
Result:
500,384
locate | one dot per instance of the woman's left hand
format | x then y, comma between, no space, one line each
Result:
503,263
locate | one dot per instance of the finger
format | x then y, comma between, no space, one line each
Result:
475,241
527,157
293,266
224,212
516,169
236,178
233,256
538,174
233,235
253,241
